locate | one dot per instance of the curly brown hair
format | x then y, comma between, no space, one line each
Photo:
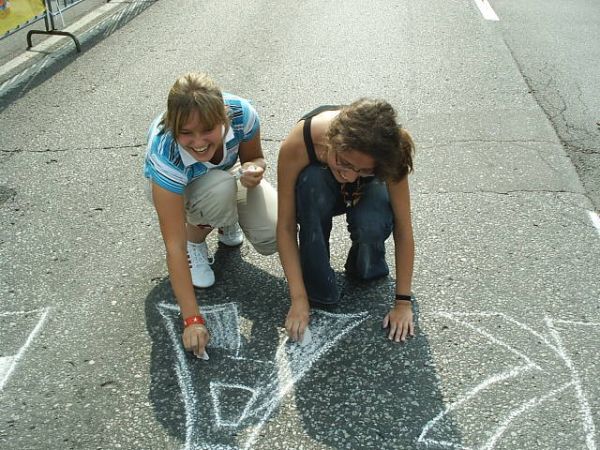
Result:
370,126
194,92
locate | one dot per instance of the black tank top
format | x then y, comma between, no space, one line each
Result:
310,147
350,191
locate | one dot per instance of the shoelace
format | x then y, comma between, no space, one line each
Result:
197,256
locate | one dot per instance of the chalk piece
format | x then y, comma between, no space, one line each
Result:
238,173
204,356
307,338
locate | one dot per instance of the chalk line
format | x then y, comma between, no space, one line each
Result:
183,375
8,364
490,337
222,336
557,347
510,320
20,313
295,360
575,322
489,382
292,362
595,220
215,392
486,9
241,358
586,412
222,323
532,403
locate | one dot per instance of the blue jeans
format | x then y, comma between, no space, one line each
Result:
318,199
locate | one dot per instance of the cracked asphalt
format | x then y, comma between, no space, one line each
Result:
557,60
506,273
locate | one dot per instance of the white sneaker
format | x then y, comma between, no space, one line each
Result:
231,235
199,262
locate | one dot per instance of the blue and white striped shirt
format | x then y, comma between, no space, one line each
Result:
171,167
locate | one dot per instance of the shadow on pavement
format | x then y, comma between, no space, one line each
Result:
351,387
374,393
184,405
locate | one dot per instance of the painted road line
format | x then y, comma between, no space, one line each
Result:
486,10
595,220
44,46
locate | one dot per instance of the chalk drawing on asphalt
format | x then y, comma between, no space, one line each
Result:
595,218
217,391
265,384
551,358
10,357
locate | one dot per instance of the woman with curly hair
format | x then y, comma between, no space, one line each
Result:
351,160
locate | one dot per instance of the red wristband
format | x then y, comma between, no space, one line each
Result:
193,320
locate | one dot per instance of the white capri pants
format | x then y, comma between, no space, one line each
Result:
218,199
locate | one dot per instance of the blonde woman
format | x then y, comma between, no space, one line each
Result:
351,160
205,165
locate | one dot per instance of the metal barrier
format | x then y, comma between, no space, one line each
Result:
18,14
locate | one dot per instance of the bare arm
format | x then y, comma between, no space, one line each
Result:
292,159
251,154
171,216
404,250
400,318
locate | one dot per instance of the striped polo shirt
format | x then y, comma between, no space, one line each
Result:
171,166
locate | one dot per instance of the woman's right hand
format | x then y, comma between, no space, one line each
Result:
251,175
297,319
195,337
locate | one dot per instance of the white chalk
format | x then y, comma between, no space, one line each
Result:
503,423
251,168
204,356
9,362
306,337
264,391
595,220
486,9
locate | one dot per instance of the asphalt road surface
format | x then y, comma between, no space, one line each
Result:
506,274
553,44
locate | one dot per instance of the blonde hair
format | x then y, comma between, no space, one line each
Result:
369,126
194,92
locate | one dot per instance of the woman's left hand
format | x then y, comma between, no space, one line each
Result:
251,175
400,322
